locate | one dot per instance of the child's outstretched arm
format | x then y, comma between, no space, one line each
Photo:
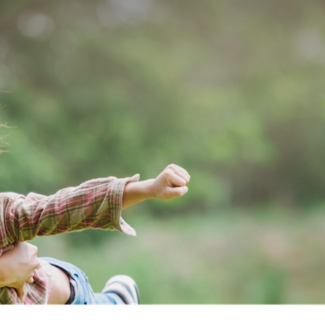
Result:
93,204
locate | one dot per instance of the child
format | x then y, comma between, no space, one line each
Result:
94,204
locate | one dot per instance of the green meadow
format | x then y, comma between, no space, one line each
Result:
265,256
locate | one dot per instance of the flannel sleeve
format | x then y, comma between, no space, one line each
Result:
93,204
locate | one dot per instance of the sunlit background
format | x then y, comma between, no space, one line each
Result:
231,90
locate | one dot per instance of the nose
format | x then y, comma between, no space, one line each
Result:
33,248
37,263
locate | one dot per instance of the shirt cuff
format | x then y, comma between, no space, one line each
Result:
115,204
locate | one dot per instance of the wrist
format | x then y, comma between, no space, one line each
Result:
147,189
136,192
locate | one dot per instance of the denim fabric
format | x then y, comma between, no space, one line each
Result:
84,293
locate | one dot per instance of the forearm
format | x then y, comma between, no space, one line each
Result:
93,204
137,192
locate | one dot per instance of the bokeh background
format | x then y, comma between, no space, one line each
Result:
232,90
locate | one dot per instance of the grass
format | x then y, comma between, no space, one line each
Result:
256,256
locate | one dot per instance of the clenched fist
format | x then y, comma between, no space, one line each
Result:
170,183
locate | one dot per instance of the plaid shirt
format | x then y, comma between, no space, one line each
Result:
93,204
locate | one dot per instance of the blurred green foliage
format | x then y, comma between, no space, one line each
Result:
230,90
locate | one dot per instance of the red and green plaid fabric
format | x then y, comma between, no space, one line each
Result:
93,204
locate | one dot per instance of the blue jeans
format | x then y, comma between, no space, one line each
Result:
84,294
